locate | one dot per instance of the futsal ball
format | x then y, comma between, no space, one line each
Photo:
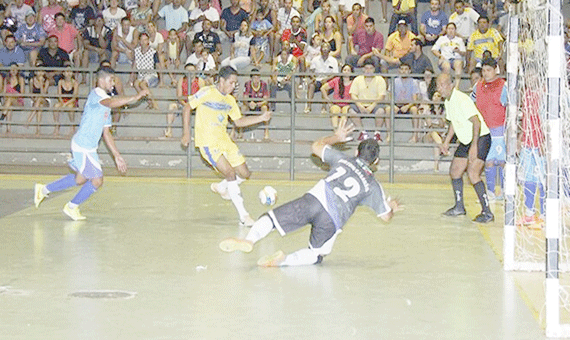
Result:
268,195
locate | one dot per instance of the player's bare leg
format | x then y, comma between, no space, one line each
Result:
261,228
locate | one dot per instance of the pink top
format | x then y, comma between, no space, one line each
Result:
334,84
66,37
48,17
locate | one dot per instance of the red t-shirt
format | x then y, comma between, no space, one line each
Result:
335,85
300,36
66,37
365,41
489,102
532,135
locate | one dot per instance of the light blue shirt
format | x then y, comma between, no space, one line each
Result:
95,117
173,18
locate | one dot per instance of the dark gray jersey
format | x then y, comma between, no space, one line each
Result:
350,183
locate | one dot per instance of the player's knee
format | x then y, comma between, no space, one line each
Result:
97,182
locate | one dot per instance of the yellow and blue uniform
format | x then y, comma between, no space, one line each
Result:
212,111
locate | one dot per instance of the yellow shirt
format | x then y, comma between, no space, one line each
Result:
373,89
490,41
403,5
458,109
397,46
212,111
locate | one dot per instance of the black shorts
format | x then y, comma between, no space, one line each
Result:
300,212
483,147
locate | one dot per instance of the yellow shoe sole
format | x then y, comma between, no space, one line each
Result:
232,244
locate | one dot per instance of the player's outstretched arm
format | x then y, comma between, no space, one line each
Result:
341,135
252,120
110,141
120,101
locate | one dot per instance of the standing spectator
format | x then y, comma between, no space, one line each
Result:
175,17
398,45
125,39
82,15
450,50
365,44
183,90
403,10
31,37
261,28
197,18
368,91
14,87
141,16
432,24
231,19
53,56
406,95
68,38
284,65
96,42
257,91
356,20
490,96
211,40
47,15
465,19
331,35
113,14
296,37
419,62
241,49
145,59
18,10
322,66
340,87
12,53
485,38
68,91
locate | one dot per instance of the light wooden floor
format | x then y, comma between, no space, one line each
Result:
420,277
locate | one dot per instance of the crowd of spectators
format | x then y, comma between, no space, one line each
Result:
320,37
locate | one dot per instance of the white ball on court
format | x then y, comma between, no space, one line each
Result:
268,195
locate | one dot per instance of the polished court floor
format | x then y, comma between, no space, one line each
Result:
146,265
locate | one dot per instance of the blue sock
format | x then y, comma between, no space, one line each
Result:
529,191
62,183
501,176
86,190
541,197
491,176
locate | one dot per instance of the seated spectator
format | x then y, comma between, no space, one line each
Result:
296,36
8,25
284,65
53,56
257,91
38,86
368,91
194,58
198,16
419,61
322,66
403,10
365,44
12,53
474,78
210,40
47,15
331,35
125,39
183,90
175,17
432,24
398,45
14,87
68,91
465,18
313,50
18,10
68,37
231,19
326,10
270,14
172,49
285,15
114,14
434,125
345,8
485,38
261,28
144,61
207,65
406,96
156,41
96,42
356,20
82,15
242,48
450,50
341,91
141,16
31,37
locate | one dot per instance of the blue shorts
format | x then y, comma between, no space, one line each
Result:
498,150
86,162
532,165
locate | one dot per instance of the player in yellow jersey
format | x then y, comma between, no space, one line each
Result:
214,105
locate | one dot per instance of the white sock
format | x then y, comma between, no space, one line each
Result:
302,257
239,180
237,200
223,185
45,191
72,205
260,229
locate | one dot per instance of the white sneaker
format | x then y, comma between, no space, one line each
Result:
73,213
224,193
247,221
38,194
232,244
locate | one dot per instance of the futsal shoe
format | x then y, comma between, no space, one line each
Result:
484,217
232,244
38,194
73,213
455,211
272,260
224,193
247,221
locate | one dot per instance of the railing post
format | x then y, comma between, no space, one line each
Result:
391,132
292,146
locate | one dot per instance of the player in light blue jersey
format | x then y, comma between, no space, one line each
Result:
95,122
326,207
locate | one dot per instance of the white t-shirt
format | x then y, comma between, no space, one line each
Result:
158,39
320,66
113,20
465,22
285,18
447,46
210,14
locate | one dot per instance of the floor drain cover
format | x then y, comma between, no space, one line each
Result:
104,294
